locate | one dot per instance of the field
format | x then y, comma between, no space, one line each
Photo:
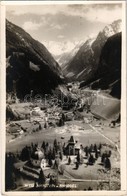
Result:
82,132
85,133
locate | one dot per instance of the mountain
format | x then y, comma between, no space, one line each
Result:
64,58
108,74
85,63
29,65
57,48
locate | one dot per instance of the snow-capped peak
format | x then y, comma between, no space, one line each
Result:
113,28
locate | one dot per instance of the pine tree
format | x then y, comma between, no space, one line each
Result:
91,159
47,144
69,161
91,147
25,154
95,147
40,127
90,189
50,181
103,158
43,145
54,153
50,162
9,172
37,129
32,145
49,155
55,142
100,146
110,153
41,179
61,155
55,165
107,163
78,157
56,145
96,154
86,151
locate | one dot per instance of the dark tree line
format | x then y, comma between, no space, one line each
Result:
105,160
96,150
9,171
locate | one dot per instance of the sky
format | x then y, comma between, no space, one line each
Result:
61,26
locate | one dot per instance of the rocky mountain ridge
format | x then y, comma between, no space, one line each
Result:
85,63
29,64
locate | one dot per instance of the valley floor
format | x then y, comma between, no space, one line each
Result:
95,132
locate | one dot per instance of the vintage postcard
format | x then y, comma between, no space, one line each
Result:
63,98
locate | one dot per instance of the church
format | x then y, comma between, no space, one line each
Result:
72,147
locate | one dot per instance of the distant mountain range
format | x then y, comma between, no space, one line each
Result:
29,65
86,59
95,63
68,55
98,58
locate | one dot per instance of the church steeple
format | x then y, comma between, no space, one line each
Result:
71,140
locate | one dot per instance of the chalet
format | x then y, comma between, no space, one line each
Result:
43,163
35,163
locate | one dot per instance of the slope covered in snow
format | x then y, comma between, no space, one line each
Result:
85,62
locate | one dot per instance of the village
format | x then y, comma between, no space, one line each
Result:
53,147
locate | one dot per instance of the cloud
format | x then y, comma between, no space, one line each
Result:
55,26
61,36
51,22
105,13
29,25
44,20
37,9
62,22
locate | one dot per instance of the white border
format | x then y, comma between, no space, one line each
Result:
123,135
2,92
58,2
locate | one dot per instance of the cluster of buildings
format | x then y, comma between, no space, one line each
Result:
71,148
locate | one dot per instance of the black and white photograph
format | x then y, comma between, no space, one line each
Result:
63,97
